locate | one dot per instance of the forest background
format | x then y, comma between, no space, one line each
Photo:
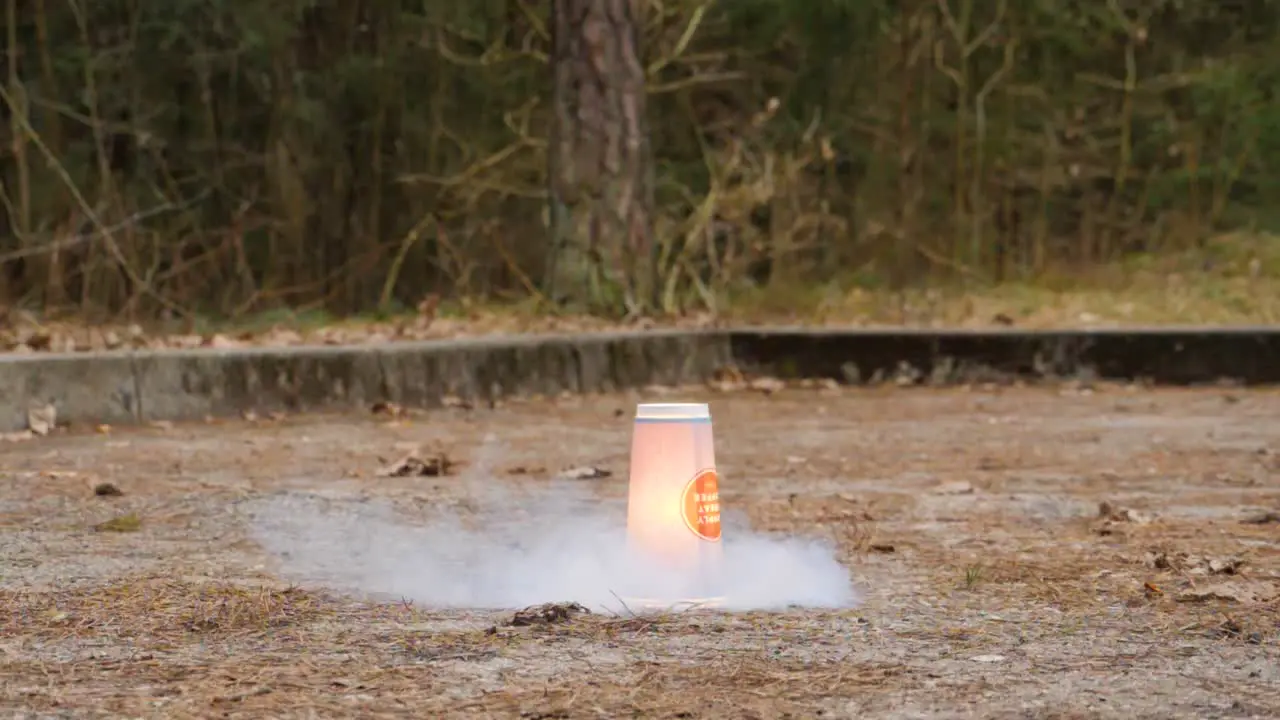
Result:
1031,162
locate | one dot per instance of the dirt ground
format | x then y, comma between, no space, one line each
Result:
1051,552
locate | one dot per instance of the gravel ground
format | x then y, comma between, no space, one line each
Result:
1018,552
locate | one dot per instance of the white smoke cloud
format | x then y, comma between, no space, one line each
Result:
519,546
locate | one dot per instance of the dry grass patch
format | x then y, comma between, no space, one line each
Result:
157,609
710,685
1064,580
247,684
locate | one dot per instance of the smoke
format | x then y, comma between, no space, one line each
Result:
517,546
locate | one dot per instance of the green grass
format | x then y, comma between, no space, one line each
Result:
1234,279
121,524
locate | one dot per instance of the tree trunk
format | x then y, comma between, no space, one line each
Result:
600,169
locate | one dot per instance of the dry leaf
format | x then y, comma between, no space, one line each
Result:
1210,566
1240,591
106,489
387,409
767,385
988,463
522,470
1223,566
1115,513
222,342
1193,565
39,340
727,379
453,401
56,616
1264,518
42,419
427,310
1230,628
906,374
547,614
434,464
278,336
584,473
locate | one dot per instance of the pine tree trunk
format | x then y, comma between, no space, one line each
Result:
600,168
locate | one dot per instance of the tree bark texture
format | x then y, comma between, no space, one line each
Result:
600,166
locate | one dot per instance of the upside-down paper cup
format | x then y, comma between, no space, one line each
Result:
673,506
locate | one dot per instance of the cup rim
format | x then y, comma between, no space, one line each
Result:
673,411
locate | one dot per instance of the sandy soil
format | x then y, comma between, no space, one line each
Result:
970,519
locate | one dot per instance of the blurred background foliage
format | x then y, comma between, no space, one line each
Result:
223,158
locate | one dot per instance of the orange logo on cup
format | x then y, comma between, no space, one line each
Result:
701,505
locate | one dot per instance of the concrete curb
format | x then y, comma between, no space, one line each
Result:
131,387
1165,356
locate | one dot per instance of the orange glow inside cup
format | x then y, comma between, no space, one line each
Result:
673,502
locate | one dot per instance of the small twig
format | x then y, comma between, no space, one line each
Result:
74,240
683,43
939,259
693,81
626,607
476,168
393,274
535,21
521,275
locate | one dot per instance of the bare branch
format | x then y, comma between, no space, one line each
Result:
74,240
107,233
